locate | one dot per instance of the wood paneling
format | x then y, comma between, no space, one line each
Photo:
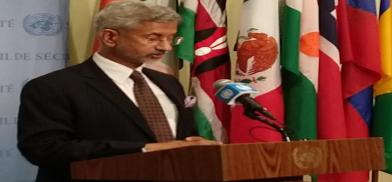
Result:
238,161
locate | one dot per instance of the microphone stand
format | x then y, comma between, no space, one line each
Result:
253,115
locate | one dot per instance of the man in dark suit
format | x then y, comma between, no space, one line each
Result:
91,110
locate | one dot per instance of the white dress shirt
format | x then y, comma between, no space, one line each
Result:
120,76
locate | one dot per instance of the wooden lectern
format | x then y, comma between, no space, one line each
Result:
236,162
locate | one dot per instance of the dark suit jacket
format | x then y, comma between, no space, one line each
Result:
79,113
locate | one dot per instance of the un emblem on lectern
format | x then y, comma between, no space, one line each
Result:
42,24
307,157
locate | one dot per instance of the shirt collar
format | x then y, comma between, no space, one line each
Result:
117,72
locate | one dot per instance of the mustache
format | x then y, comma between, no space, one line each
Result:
158,52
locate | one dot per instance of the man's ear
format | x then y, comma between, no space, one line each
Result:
109,37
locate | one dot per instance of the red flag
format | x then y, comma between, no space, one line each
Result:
330,117
360,66
360,54
330,107
212,62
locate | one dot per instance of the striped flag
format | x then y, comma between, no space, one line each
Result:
382,120
299,59
211,63
330,107
258,64
330,112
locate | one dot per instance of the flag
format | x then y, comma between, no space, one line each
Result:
330,112
360,57
211,63
360,54
103,3
382,120
187,10
330,107
258,65
299,59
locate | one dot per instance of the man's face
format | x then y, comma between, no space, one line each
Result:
147,42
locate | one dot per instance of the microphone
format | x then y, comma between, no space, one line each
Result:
232,92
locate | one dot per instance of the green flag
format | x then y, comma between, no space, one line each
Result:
382,120
299,50
187,10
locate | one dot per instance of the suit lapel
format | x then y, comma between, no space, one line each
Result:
101,83
165,84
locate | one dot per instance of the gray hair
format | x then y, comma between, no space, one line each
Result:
130,13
